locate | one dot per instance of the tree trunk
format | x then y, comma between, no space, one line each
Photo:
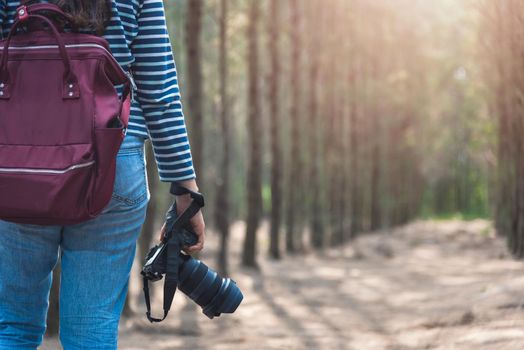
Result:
128,309
356,202
274,107
222,203
150,233
54,308
376,205
316,204
354,127
254,195
293,236
194,80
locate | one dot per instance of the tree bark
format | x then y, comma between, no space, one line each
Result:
356,197
275,126
376,205
222,204
254,195
293,236
316,204
194,80
53,312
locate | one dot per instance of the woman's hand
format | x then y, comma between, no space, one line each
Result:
197,221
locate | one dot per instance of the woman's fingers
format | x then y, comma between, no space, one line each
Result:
198,225
162,232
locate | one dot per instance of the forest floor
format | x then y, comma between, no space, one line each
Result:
428,285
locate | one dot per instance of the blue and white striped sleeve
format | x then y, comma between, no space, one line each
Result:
2,17
158,93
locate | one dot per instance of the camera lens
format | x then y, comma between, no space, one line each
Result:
216,295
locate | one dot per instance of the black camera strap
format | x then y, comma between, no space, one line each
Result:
173,250
145,280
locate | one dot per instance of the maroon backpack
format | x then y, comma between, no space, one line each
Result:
61,120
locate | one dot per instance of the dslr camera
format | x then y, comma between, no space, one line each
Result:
215,294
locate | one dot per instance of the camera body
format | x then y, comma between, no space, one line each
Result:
156,260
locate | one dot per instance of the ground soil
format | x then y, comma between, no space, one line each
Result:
429,285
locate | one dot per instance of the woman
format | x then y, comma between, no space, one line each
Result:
96,255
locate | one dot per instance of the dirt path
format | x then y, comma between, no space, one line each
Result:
430,285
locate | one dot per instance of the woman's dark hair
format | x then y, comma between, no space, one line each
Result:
91,14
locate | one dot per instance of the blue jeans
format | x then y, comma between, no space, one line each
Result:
96,259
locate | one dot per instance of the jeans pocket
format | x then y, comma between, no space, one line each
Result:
131,180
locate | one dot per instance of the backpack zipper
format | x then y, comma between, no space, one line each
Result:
46,171
41,47
129,75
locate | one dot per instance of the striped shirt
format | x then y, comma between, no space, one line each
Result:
139,39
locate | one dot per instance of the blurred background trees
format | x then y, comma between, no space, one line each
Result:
330,119
335,119
503,29
357,115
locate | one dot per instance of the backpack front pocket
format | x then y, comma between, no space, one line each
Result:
47,185
108,141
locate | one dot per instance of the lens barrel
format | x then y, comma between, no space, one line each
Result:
215,294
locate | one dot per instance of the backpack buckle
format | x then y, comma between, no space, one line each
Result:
22,13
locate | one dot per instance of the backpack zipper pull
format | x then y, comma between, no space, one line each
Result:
134,88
